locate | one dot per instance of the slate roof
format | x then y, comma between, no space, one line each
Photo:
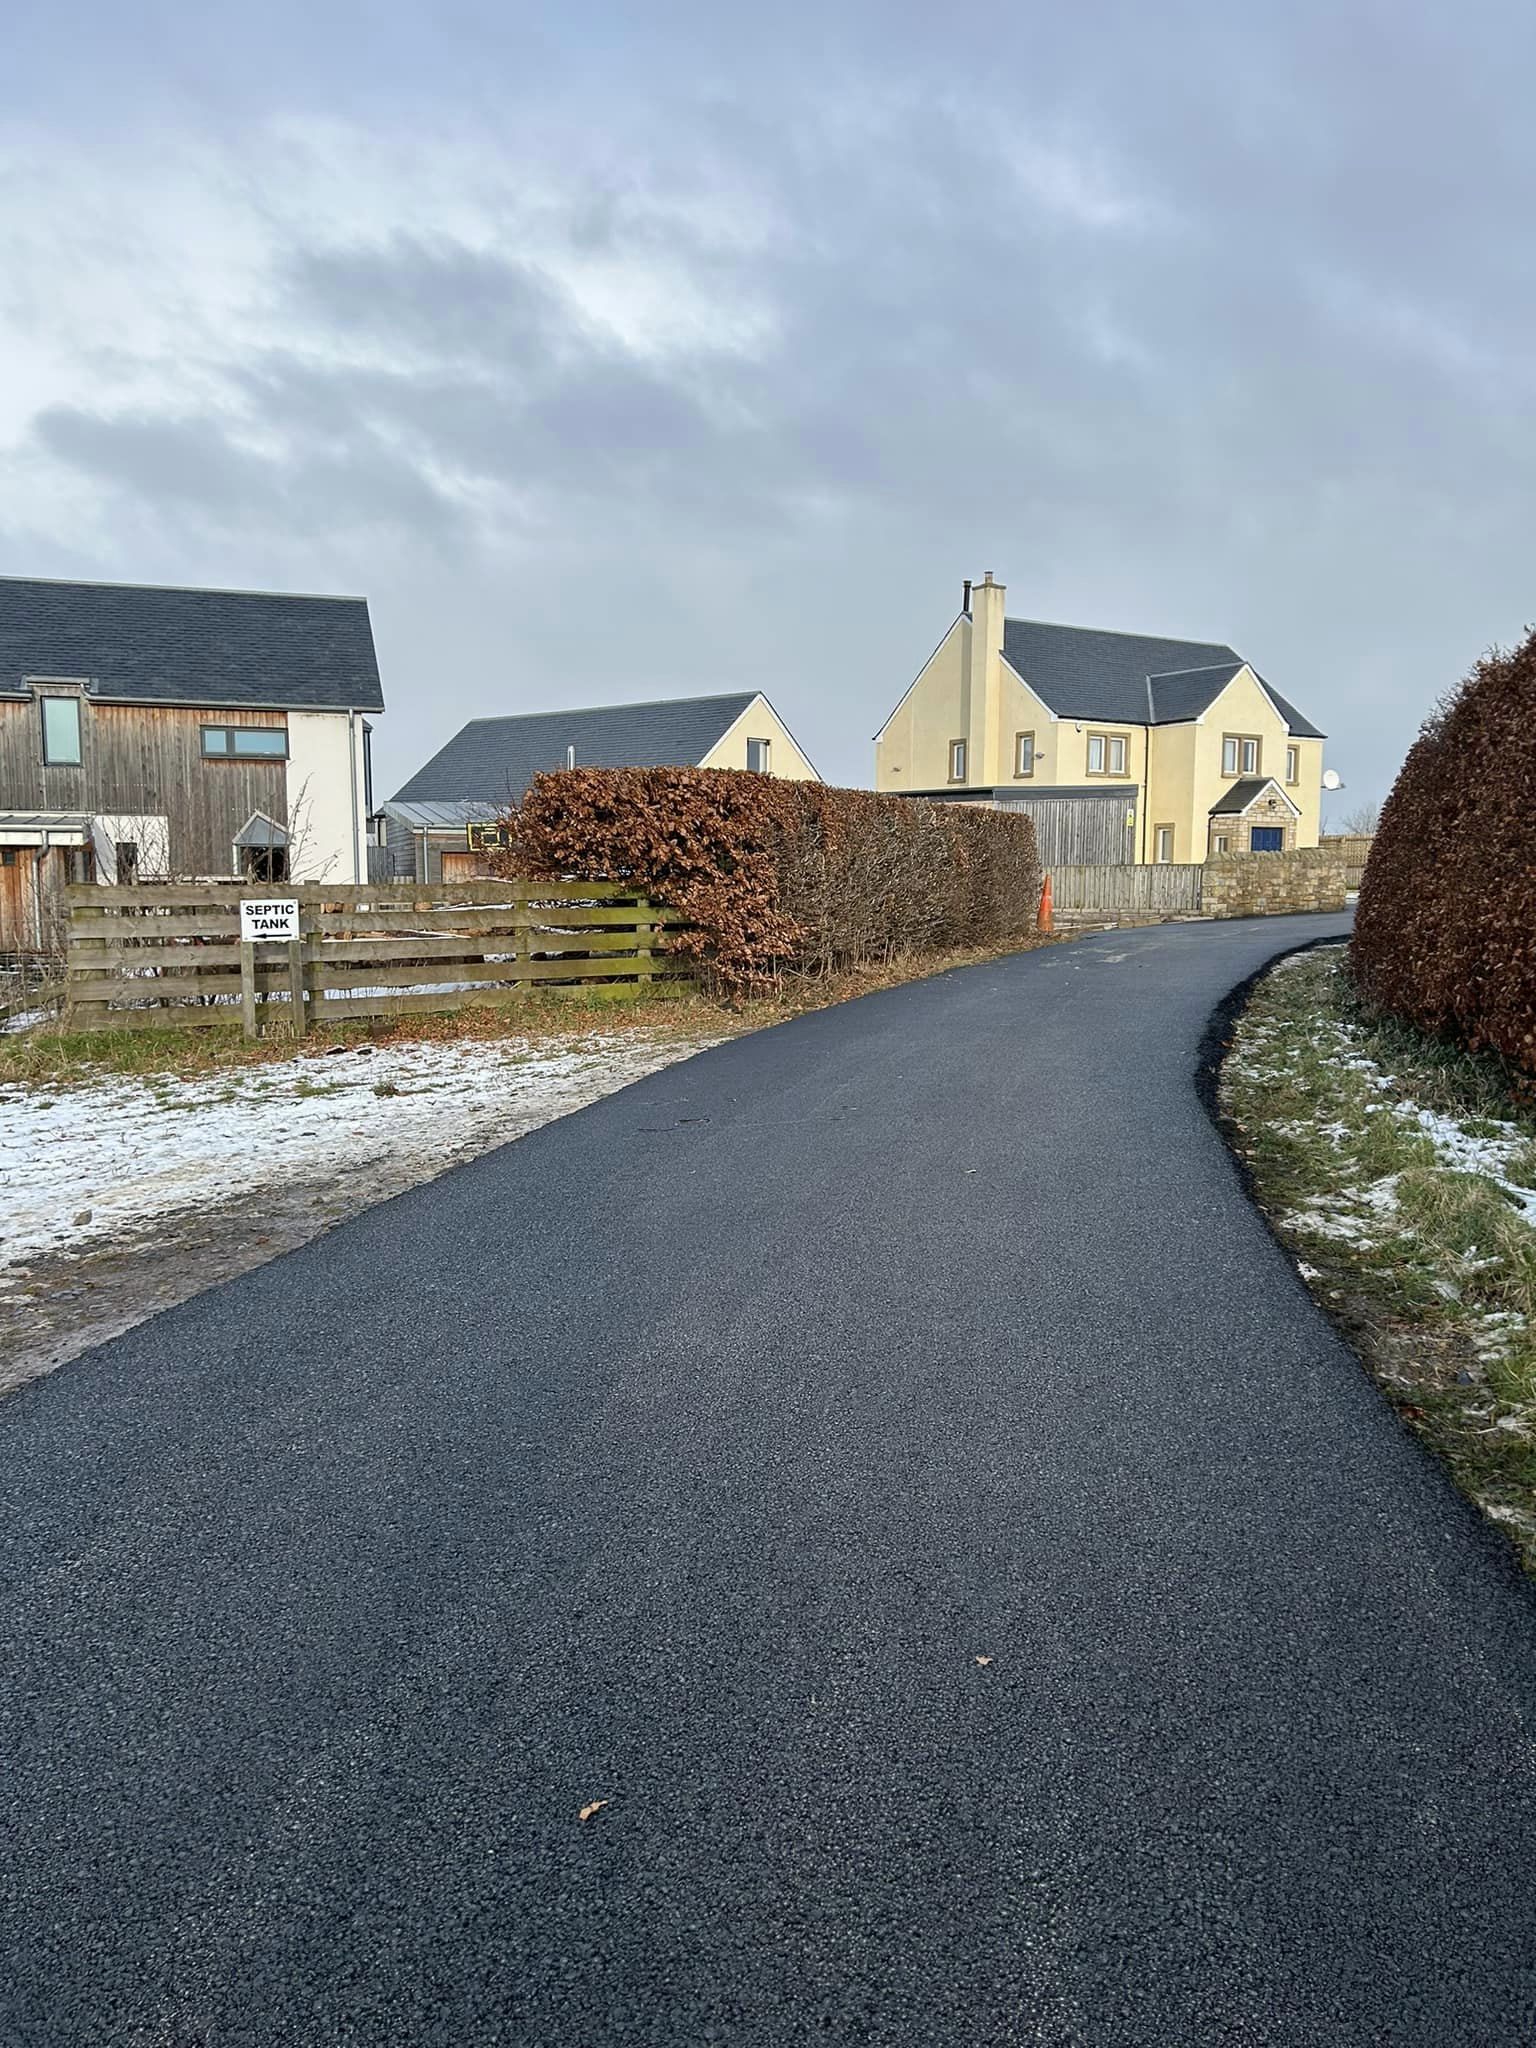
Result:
493,759
1127,678
439,817
1243,793
137,643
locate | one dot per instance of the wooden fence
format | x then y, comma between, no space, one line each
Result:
1165,890
164,954
1354,849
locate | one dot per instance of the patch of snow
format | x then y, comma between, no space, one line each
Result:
129,1150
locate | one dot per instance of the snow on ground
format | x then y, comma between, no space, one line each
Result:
129,1150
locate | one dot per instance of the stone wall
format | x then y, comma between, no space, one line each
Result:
1270,884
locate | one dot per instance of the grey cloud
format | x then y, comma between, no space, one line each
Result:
1279,395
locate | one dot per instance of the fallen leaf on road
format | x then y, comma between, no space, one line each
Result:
592,1806
983,1660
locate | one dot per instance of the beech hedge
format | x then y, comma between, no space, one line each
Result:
1445,931
775,875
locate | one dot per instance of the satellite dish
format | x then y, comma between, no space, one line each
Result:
1332,779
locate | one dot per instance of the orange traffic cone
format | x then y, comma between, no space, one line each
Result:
1046,924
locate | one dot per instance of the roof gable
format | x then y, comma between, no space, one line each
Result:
1129,678
1243,794
1083,673
138,643
494,759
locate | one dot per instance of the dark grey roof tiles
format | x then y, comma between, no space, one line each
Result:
143,644
1127,678
495,759
1241,795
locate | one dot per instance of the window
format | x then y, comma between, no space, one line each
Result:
957,760
757,756
1163,842
61,732
1293,764
1220,843
1240,754
245,743
1106,753
126,855
1023,753
264,863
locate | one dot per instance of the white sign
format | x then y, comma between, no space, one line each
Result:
269,917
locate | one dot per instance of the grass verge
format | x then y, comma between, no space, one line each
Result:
1402,1176
55,1056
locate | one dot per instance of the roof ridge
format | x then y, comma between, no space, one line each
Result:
636,704
1115,633
1203,668
187,589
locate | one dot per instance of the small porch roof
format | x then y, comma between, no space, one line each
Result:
1243,795
260,830
44,828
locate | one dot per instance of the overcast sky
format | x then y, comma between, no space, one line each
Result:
623,352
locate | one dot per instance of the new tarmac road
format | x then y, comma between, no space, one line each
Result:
881,1470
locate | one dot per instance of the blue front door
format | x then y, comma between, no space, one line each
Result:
1267,839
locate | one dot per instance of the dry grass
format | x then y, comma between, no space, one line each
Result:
57,1057
1415,1239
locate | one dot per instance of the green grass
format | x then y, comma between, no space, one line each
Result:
1428,1263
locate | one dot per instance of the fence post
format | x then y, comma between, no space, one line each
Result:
248,988
645,932
296,985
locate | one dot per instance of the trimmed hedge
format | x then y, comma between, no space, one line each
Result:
775,875
1445,932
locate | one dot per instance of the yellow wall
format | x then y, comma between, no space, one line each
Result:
1170,799
1244,707
912,747
1180,765
761,722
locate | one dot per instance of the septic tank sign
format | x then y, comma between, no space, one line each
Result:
268,917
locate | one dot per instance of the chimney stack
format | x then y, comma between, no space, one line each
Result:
984,684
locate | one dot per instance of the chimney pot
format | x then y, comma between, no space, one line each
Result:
965,600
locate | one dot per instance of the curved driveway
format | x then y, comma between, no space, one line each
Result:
887,1460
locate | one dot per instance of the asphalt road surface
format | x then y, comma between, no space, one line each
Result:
887,1461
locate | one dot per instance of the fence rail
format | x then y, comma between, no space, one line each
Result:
1354,849
1163,890
164,954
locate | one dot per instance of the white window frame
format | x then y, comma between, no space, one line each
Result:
1162,836
761,766
1293,765
957,760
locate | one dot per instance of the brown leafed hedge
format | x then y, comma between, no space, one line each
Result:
776,875
1445,932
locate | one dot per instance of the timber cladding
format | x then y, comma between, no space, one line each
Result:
159,955
138,758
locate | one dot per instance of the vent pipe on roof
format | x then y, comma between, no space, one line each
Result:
965,601
570,757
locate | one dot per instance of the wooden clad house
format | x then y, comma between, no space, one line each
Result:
154,734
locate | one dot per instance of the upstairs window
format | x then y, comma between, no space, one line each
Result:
957,760
1240,754
1106,753
61,732
1293,764
245,743
757,757
1023,753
